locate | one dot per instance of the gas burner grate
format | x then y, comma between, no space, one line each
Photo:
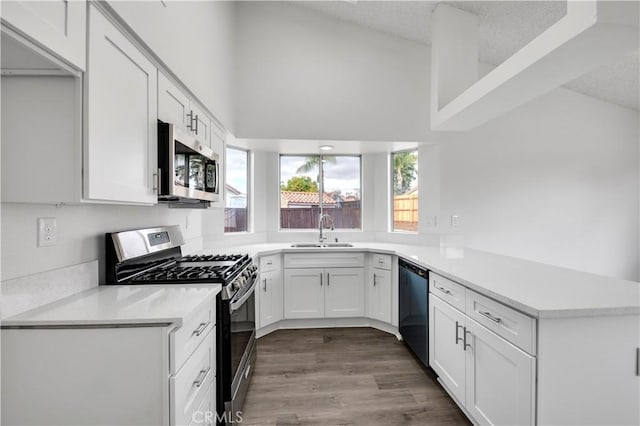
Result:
212,258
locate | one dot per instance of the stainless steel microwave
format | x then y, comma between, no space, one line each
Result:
188,171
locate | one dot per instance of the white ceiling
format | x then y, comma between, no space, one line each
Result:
505,27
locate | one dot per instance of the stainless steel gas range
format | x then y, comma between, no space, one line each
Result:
154,256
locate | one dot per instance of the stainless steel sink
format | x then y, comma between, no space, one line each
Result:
319,245
338,245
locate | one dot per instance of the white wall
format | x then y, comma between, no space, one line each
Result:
303,75
195,40
554,181
81,232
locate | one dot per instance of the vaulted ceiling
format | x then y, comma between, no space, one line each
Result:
505,27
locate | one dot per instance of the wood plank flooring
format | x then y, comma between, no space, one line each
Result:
343,376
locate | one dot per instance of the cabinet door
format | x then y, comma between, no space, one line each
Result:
380,295
304,293
344,293
173,104
201,125
446,351
270,288
500,379
58,25
121,92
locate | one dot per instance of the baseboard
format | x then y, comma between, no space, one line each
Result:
288,324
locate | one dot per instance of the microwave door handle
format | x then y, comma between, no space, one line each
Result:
217,188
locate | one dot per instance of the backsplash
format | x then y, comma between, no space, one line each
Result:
25,293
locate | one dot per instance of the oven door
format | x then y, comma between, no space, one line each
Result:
242,310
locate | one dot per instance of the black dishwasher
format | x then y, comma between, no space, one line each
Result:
414,308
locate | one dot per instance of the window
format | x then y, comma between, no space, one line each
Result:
320,184
236,212
404,166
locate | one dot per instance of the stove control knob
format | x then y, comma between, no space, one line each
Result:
240,282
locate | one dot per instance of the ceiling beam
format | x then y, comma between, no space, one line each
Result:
592,33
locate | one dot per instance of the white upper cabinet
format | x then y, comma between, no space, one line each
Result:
200,125
57,25
121,117
173,104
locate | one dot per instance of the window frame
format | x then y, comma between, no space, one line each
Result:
249,229
391,212
320,191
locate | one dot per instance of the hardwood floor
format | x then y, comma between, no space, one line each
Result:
343,376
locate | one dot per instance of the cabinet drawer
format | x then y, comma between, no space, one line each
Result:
270,263
512,325
191,334
187,388
381,261
205,414
324,260
447,290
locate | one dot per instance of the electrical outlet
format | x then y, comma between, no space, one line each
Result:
47,231
455,221
432,221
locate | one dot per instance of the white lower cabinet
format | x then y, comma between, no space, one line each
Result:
500,379
117,375
304,293
379,291
490,377
323,293
446,355
269,291
344,293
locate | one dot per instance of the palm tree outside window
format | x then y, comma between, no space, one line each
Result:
312,185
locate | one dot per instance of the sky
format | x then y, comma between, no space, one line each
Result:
236,169
344,175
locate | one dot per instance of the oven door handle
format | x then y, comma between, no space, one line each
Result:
236,304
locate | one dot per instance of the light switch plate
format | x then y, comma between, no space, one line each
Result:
47,231
455,221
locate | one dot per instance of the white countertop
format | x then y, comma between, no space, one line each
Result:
537,289
120,305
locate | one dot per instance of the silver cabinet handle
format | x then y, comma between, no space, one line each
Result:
380,261
374,279
328,278
321,278
444,290
201,328
637,361
458,339
489,316
265,284
196,120
201,376
157,180
269,262
464,340
190,117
